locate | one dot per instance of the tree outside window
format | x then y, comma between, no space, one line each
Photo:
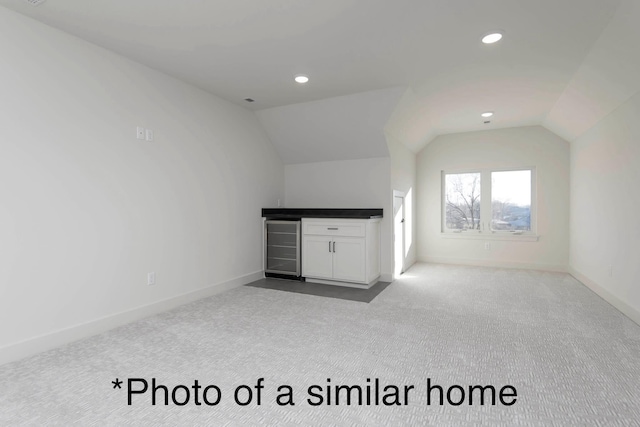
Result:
488,201
462,194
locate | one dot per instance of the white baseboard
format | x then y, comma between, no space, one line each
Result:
620,305
343,284
497,264
63,336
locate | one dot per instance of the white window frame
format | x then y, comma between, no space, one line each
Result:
485,231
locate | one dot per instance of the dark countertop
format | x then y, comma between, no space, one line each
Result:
295,213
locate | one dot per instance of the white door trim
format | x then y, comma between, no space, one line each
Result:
401,232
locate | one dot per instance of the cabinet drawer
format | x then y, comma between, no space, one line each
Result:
335,229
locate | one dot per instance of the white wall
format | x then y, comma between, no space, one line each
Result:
86,210
607,77
605,164
605,203
403,178
361,183
505,148
345,127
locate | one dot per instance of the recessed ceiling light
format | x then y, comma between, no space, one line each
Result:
491,38
301,79
487,114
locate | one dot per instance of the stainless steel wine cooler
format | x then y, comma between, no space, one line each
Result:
282,247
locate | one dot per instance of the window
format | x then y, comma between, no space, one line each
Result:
511,200
462,199
489,201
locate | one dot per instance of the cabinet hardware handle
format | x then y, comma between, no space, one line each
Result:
332,228
329,246
334,246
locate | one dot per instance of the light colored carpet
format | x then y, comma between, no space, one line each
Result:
573,359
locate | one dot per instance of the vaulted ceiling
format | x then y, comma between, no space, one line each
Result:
416,68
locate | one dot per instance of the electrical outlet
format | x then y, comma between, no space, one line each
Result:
151,278
487,246
149,135
140,132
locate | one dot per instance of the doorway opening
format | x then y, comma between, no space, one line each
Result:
399,241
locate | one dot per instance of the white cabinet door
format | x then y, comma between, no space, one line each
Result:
349,259
317,257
